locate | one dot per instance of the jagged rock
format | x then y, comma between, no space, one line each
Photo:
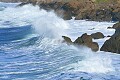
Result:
112,45
67,40
22,4
97,35
79,41
84,40
117,25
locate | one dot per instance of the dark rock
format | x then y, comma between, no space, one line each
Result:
116,16
117,29
117,25
86,38
93,45
91,29
103,15
97,35
95,15
112,45
22,4
109,36
79,41
61,9
108,10
117,32
109,27
67,40
63,14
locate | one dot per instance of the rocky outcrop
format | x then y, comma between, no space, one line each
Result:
113,44
67,40
86,9
84,40
117,25
97,10
97,35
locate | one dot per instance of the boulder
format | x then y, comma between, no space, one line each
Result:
97,35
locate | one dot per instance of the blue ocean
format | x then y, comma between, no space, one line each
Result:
31,47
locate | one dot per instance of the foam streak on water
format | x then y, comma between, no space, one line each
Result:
31,47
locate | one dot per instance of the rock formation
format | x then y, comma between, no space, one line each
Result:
84,40
97,35
97,10
113,44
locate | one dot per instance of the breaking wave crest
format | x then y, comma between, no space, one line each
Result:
33,46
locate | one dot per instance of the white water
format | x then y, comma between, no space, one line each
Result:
51,27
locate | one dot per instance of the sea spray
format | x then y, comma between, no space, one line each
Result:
43,22
50,25
48,56
92,62
50,28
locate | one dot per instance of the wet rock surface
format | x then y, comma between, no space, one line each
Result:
97,35
104,10
113,44
84,40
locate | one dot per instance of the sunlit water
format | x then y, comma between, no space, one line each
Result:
31,47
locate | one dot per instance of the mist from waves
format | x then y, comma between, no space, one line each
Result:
43,46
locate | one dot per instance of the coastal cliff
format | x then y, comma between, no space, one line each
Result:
96,10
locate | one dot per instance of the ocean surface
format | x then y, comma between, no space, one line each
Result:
31,47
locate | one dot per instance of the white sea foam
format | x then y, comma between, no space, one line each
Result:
93,62
47,24
43,22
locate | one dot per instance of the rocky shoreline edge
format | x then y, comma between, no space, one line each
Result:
95,10
110,45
